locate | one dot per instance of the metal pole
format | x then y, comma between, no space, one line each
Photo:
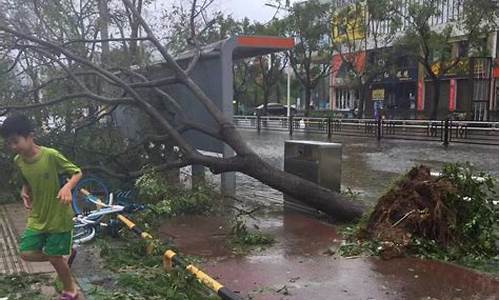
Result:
288,91
329,127
379,128
446,128
171,259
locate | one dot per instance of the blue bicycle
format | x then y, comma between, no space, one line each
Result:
91,202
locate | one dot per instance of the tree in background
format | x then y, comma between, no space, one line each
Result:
309,23
269,67
361,36
432,46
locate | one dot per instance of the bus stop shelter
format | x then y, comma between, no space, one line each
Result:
214,74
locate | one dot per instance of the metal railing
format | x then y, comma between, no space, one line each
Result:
472,132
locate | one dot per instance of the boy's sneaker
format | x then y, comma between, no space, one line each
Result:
72,256
68,296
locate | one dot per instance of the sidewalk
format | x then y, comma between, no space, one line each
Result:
12,222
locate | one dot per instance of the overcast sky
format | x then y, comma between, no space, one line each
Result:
253,9
239,9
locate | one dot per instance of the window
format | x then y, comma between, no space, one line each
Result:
344,98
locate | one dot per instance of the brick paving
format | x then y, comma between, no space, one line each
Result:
12,223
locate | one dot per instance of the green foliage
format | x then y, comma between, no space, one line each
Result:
421,42
480,18
242,239
476,205
310,22
10,178
430,45
353,245
169,200
23,286
151,187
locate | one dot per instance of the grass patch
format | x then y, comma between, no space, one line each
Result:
23,286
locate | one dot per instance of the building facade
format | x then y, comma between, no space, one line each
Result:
468,91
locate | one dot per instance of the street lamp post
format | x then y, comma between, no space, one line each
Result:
288,75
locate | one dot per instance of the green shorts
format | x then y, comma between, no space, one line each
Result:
51,244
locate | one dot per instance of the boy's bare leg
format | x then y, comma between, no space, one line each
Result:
64,273
37,256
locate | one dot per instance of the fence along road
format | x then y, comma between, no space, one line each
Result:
471,132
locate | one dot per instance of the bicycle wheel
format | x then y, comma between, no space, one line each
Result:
83,234
97,190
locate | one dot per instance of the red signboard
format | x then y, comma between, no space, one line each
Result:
336,64
495,72
420,96
452,98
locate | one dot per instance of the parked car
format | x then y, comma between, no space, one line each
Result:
274,109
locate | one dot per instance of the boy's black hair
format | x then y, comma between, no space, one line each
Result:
16,125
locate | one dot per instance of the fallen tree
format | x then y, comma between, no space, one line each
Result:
453,217
77,69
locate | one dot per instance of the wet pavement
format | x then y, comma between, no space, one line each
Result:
368,166
302,265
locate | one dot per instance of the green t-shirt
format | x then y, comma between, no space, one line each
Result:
41,174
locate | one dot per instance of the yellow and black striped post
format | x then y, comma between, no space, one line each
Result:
171,259
131,225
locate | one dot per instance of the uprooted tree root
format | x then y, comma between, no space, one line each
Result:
414,207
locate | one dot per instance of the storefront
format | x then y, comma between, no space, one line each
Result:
394,94
464,91
494,92
344,99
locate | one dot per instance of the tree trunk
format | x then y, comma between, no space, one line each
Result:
435,98
255,97
266,91
134,33
307,100
278,92
362,100
248,162
36,97
103,27
310,193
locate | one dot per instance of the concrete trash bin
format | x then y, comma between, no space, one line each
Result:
319,162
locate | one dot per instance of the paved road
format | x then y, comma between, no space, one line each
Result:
368,166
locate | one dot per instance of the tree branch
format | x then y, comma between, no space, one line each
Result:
104,40
78,96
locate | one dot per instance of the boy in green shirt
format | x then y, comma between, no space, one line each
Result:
48,234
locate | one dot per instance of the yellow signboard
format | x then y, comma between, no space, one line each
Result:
378,94
454,67
348,24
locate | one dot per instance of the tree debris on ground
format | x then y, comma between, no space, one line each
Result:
449,217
